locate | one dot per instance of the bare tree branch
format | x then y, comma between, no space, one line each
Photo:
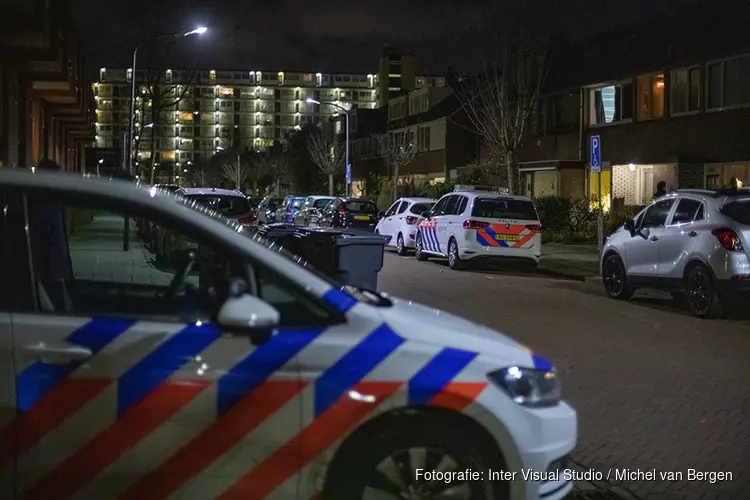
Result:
398,152
327,152
500,99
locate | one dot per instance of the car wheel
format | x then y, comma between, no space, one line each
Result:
702,298
615,279
454,261
418,250
400,246
385,464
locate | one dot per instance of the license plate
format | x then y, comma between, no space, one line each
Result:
361,217
507,237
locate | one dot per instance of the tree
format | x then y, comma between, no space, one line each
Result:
398,152
500,99
277,165
327,152
235,174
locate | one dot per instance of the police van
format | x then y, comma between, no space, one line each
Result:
238,372
480,224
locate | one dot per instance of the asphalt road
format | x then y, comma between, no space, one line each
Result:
654,387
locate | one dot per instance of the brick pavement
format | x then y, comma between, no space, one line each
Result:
655,388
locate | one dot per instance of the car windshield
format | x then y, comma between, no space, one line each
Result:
420,208
297,202
228,206
738,211
321,202
504,208
361,207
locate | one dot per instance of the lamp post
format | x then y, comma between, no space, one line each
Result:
131,122
346,114
237,171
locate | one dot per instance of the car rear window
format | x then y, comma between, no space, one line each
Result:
228,206
420,208
321,202
297,202
361,207
504,208
738,211
274,203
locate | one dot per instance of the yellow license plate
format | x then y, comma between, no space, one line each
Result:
507,237
361,217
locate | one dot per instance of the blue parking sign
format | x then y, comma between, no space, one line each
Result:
596,154
349,174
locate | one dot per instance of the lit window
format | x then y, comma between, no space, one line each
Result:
227,91
129,76
685,90
103,74
651,96
281,78
252,78
611,104
212,75
169,76
318,79
186,116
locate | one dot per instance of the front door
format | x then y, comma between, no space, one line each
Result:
642,249
679,239
125,388
387,224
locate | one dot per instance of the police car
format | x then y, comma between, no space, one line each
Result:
247,376
479,224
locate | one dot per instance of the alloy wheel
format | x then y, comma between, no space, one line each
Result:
395,477
699,291
613,277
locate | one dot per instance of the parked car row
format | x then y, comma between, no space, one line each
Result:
324,211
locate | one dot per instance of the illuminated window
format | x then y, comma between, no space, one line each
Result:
129,76
281,78
651,96
212,76
186,116
226,91
169,76
611,104
318,79
252,78
102,74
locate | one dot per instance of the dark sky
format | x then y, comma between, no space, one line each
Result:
322,35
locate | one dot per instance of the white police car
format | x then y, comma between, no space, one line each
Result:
241,374
480,225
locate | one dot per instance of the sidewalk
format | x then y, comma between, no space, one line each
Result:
577,262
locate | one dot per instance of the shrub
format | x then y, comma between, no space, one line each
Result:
436,190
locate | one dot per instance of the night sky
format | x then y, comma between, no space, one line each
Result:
321,35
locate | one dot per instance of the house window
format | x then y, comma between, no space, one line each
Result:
102,74
169,76
611,104
562,112
252,78
186,116
728,83
685,86
651,96
129,76
281,78
318,79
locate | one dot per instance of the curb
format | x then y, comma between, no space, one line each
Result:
571,275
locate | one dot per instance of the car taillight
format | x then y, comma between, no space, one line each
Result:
475,224
288,211
537,228
341,210
411,220
728,239
313,211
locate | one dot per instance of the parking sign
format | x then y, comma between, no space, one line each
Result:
596,154
349,174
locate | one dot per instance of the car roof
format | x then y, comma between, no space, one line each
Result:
149,197
419,200
208,190
489,194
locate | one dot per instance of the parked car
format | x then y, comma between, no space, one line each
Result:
286,211
309,212
266,211
399,223
232,204
354,213
473,225
693,242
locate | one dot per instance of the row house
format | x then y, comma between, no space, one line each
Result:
432,122
46,103
669,98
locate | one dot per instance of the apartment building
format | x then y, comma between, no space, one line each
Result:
669,104
46,103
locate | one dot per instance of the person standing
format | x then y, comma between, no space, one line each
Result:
661,190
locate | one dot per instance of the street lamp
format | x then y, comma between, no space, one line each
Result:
219,148
98,165
197,31
310,100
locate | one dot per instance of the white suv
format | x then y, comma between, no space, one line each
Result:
691,242
474,225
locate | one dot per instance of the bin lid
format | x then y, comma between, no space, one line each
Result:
352,238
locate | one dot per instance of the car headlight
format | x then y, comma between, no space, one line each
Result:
528,386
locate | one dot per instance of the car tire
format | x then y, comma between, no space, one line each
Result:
615,278
454,260
418,253
702,298
358,468
400,246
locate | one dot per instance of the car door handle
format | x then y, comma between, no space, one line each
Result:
692,234
654,238
59,354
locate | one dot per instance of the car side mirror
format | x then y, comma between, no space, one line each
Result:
630,225
381,214
250,316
